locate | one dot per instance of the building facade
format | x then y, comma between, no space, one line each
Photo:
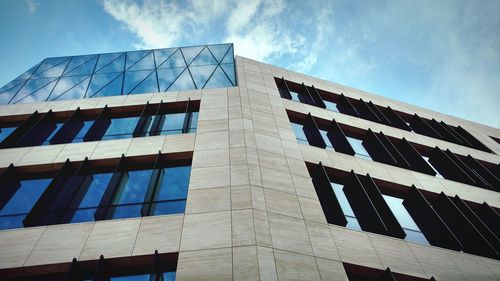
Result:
192,164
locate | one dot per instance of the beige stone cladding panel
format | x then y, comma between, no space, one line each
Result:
16,245
162,233
207,265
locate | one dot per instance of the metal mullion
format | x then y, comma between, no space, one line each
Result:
158,121
10,185
218,65
26,81
110,192
154,274
339,139
346,106
152,187
312,132
62,135
419,125
22,129
287,89
377,150
395,119
124,70
97,127
139,129
316,97
187,67
367,112
59,78
187,116
36,131
388,275
74,272
101,271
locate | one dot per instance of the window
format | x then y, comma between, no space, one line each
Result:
328,142
352,221
300,136
88,192
5,132
121,128
58,126
24,195
87,124
358,147
437,172
404,218
330,105
173,123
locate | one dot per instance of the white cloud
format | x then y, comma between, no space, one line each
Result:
32,6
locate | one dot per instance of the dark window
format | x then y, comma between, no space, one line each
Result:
20,203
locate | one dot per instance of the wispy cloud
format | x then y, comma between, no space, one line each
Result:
32,6
441,55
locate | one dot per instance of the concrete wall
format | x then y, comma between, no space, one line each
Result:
252,212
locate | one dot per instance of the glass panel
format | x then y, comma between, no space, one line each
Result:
95,191
329,144
5,132
204,58
169,276
33,85
47,140
218,80
229,70
352,221
201,74
298,129
175,60
295,96
162,55
358,147
132,188
83,215
229,57
147,86
11,84
219,50
193,123
52,67
110,63
415,236
74,86
105,85
12,221
7,95
126,211
167,76
25,197
83,131
438,175
145,63
174,183
142,277
121,128
183,82
173,124
135,56
81,65
190,53
331,106
134,78
28,73
169,207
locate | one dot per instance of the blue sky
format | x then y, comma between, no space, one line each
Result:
443,55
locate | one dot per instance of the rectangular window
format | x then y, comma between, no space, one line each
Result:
173,123
352,221
330,105
24,195
121,128
300,136
358,147
404,218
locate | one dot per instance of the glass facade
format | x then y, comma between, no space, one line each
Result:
161,70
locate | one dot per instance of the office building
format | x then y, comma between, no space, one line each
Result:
192,164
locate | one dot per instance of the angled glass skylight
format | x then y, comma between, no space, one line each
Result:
125,73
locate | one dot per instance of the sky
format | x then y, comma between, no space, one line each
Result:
443,55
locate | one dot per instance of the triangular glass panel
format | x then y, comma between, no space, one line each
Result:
108,63
218,80
31,86
52,68
229,70
147,62
201,74
40,94
133,79
183,82
28,73
7,95
81,65
10,85
219,50
167,76
49,63
77,92
229,57
190,53
135,56
204,58
111,81
175,60
163,54
67,83
148,85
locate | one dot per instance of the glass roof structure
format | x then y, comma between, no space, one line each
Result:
124,73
